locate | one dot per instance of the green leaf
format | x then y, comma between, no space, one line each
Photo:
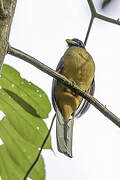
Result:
22,129
33,99
16,155
31,128
105,3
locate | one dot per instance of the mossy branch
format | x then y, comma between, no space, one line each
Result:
7,9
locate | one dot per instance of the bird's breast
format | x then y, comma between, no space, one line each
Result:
78,66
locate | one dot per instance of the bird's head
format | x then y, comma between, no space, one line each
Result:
75,42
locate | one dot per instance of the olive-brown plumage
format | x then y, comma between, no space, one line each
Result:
78,66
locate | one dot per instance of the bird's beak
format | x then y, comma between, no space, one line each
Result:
69,41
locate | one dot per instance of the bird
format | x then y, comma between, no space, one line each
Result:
78,66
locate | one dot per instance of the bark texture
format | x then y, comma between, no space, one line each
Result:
7,9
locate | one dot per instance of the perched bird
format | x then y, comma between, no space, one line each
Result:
78,66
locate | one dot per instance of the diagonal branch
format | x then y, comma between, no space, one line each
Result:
65,81
107,19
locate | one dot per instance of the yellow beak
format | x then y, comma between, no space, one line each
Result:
69,41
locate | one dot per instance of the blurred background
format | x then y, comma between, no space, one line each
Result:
40,28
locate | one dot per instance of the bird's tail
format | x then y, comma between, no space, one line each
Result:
64,133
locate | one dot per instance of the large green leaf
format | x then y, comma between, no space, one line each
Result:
17,155
31,128
22,129
36,101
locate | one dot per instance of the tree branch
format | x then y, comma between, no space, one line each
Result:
3,12
99,16
92,7
89,28
65,81
107,19
7,9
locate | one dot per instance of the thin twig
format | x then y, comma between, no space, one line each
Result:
92,7
88,31
43,144
94,14
107,19
65,81
99,16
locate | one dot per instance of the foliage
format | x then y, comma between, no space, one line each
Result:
22,129
105,3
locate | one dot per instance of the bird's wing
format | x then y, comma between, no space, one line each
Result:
84,106
54,83
64,129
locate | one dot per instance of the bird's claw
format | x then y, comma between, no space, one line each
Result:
73,83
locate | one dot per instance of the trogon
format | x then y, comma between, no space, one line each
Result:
78,66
